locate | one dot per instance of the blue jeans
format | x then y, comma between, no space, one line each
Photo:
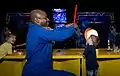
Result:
92,72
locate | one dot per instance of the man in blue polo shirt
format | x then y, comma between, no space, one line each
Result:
39,45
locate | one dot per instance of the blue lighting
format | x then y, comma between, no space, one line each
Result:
59,15
59,10
59,25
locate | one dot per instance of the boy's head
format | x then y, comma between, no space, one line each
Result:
91,34
10,38
95,40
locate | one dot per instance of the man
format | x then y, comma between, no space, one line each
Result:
39,45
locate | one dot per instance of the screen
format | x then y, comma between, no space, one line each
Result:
59,15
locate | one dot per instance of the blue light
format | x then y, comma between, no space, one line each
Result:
59,15
57,26
59,10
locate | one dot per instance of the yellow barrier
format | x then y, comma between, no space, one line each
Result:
70,60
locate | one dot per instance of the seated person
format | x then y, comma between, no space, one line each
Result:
6,47
39,46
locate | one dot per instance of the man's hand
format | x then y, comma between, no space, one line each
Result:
72,24
75,25
68,25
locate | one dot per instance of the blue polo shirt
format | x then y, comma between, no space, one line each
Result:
39,48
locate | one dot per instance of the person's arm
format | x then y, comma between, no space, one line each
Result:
19,45
85,52
56,35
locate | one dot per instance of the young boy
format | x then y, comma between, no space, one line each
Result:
6,47
92,40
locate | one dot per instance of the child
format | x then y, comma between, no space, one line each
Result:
6,47
92,41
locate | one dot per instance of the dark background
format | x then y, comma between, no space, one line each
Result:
47,5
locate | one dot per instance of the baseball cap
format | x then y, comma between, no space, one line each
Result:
89,32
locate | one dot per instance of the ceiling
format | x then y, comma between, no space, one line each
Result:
93,5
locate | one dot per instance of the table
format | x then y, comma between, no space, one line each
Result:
69,60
